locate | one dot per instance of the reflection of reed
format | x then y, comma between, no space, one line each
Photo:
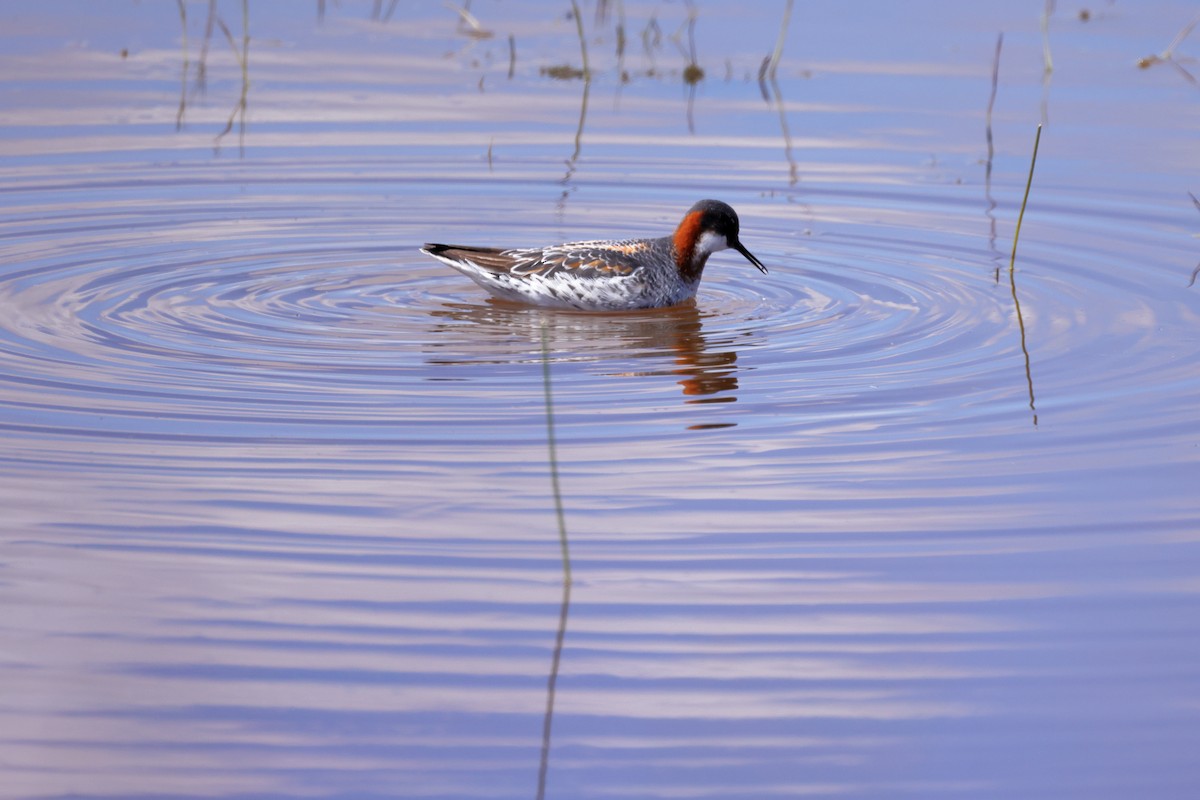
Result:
777,95
565,604
571,162
651,42
202,65
552,445
379,15
1047,61
1196,271
1012,276
186,65
622,76
548,718
771,63
1012,279
1047,12
693,73
242,56
767,77
567,73
991,152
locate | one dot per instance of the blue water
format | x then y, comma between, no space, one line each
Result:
894,520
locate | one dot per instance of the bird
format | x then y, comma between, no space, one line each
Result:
604,275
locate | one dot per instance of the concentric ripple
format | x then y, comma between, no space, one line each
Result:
183,319
254,334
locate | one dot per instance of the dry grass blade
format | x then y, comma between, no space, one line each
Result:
468,23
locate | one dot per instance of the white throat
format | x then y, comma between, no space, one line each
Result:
710,243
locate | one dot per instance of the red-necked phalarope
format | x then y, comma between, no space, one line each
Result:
604,275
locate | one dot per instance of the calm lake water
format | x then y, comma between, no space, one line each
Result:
281,501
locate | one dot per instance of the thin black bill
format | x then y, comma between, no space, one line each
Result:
749,256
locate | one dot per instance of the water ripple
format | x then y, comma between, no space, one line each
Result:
180,316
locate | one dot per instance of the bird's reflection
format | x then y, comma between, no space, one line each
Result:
672,341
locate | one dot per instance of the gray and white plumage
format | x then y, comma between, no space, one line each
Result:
604,275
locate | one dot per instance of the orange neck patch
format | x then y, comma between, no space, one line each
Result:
685,245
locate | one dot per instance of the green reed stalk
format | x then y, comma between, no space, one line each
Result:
1028,183
1012,278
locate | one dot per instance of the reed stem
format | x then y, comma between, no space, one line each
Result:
1012,264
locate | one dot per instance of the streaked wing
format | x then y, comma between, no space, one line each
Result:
586,260
492,259
582,259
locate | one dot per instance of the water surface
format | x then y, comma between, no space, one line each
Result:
894,520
